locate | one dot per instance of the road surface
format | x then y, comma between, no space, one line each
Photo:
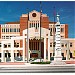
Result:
38,69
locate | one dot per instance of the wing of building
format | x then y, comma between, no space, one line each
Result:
13,39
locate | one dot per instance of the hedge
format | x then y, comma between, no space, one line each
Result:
40,63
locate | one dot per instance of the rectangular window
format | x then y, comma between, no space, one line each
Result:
5,46
63,54
0,55
2,30
9,45
17,45
0,44
70,44
30,25
62,45
54,44
51,29
62,36
7,37
50,44
38,24
10,30
19,29
53,54
14,29
6,30
55,29
62,29
65,45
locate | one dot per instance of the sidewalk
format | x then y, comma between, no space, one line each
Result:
28,64
23,64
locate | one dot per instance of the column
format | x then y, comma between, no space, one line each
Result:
23,49
2,52
44,49
48,49
12,51
67,56
3,56
12,55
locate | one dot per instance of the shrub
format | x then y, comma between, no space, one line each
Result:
40,63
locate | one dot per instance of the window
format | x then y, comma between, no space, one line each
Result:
3,29
50,44
54,44
62,36
17,54
55,29
0,55
63,54
70,44
5,46
3,37
62,29
0,44
53,54
38,24
5,54
19,29
6,30
30,25
62,45
11,30
9,45
9,55
7,37
51,29
34,24
14,29
65,45
17,45
50,54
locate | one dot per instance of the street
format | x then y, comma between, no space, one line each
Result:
38,69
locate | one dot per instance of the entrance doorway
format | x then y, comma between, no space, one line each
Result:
34,48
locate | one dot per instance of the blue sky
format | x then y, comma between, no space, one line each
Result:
11,11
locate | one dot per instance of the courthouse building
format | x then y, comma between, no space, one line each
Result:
13,39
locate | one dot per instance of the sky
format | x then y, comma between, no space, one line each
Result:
11,11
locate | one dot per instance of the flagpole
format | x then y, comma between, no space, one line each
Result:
54,31
28,38
40,29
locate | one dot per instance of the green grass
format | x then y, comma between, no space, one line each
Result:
40,63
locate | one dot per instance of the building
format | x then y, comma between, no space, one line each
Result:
13,38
